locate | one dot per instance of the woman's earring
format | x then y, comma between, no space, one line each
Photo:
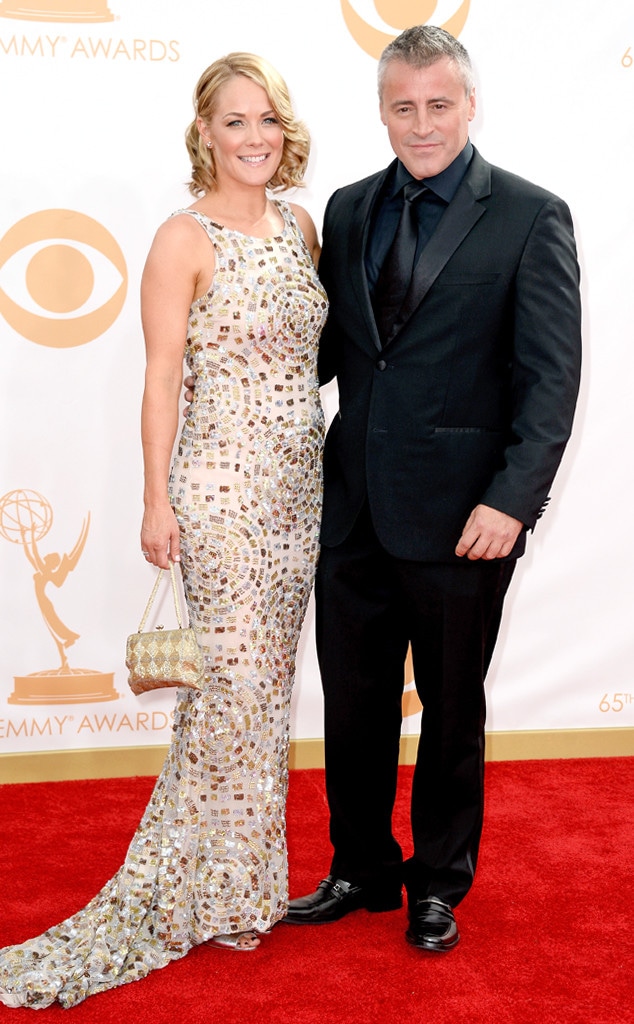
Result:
208,144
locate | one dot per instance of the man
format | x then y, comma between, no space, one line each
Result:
456,397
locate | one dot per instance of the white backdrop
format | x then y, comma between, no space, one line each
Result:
93,109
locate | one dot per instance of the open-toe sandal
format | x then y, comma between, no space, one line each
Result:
242,942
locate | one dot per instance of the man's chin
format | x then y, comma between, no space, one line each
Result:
425,164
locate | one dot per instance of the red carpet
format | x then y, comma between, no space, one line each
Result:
546,930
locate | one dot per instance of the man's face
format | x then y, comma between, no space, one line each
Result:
427,114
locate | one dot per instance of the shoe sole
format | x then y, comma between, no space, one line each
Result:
374,909
430,946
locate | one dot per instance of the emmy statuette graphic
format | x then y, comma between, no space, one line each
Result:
25,518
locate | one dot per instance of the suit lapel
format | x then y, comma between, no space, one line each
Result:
359,231
457,221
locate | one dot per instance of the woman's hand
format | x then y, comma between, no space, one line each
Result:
160,538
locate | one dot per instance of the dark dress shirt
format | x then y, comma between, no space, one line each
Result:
429,208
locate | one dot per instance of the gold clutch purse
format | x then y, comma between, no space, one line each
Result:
164,657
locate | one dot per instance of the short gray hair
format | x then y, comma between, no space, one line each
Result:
422,46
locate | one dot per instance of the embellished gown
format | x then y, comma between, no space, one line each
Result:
209,856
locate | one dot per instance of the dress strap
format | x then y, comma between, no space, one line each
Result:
209,226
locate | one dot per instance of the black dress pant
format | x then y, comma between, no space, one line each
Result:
369,607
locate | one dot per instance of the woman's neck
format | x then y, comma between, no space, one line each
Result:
248,210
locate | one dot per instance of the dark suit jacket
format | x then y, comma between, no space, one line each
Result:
472,399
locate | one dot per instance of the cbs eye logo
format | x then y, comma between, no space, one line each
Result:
67,276
400,14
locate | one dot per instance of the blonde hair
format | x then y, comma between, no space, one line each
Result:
296,149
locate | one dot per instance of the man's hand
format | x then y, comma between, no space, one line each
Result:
488,533
189,384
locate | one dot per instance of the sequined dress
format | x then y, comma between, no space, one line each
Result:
209,856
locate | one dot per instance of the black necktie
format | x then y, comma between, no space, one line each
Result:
396,272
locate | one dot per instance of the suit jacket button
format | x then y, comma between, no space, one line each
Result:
381,365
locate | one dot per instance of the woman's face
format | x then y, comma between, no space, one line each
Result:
245,134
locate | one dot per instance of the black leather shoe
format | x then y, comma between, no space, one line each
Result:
432,925
334,899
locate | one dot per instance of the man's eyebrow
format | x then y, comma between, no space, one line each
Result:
412,103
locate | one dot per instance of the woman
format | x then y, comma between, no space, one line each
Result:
230,283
